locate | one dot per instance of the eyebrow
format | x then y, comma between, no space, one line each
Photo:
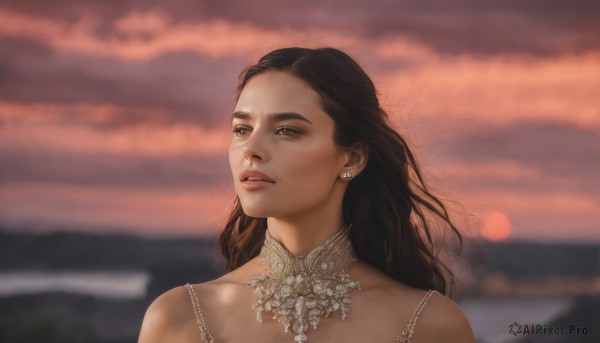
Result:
276,117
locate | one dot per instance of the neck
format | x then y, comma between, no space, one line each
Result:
301,291
303,234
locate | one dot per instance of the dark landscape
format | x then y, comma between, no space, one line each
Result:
65,317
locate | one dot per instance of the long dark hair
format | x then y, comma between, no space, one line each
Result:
390,208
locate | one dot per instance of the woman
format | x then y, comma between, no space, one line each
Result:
330,236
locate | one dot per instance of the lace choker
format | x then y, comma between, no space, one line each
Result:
300,290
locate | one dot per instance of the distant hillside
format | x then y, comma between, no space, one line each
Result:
69,318
528,260
65,318
59,317
171,262
68,250
584,314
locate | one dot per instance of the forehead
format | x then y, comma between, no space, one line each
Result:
278,91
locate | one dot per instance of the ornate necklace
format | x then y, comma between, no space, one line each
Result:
300,290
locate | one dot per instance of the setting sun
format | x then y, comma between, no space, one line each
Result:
496,226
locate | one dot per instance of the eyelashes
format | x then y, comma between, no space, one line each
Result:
290,131
286,130
239,131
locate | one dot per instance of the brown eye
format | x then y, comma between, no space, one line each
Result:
288,131
238,131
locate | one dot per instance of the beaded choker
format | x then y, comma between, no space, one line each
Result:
300,290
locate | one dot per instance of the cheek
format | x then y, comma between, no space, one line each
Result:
231,158
235,151
234,161
315,162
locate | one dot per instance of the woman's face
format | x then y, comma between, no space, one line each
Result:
280,130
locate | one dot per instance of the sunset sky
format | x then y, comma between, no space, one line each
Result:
114,115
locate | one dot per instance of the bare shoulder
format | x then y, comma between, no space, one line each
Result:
172,316
169,318
442,320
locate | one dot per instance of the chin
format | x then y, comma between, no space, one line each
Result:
260,211
256,211
255,214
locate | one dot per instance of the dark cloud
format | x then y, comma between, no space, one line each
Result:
567,157
538,27
190,87
178,171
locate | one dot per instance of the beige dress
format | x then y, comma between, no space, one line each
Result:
403,337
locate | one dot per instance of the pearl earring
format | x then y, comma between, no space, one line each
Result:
347,175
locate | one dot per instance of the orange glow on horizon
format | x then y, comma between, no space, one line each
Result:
496,226
144,211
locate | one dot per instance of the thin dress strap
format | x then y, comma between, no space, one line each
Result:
407,333
206,336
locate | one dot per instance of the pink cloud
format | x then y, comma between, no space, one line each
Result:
142,36
499,169
435,98
150,212
498,90
48,126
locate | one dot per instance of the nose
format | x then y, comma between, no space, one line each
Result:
255,147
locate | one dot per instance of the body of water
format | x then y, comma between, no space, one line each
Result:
121,285
491,317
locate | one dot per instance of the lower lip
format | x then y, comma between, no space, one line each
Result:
255,184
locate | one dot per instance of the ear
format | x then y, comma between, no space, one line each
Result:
357,156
